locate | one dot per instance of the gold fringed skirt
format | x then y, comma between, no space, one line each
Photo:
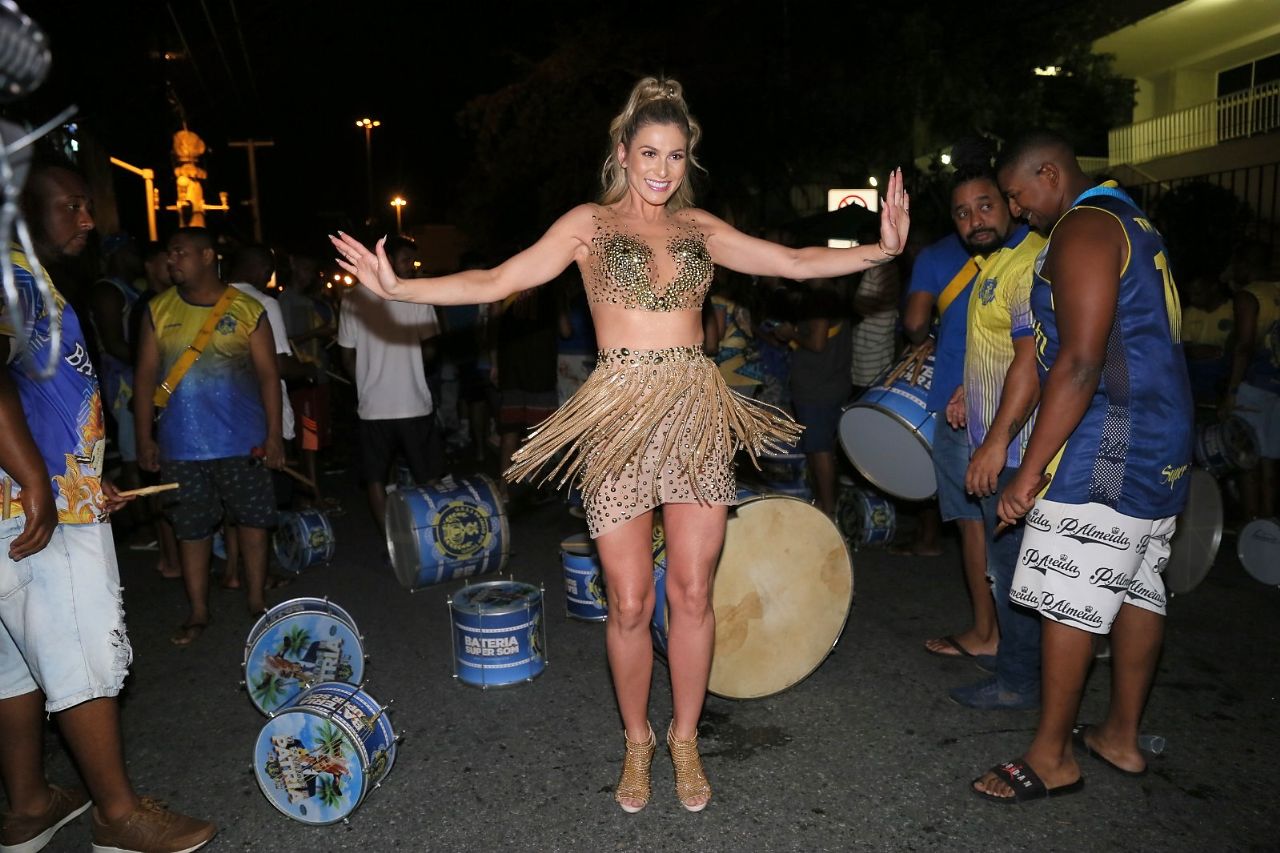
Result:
650,427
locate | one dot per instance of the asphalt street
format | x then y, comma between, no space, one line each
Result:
866,754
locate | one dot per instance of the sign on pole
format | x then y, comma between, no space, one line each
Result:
836,199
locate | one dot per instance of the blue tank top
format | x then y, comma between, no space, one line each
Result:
1132,449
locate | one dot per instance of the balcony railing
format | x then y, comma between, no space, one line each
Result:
1236,116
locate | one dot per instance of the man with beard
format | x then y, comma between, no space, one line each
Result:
64,650
1104,473
995,404
217,410
943,276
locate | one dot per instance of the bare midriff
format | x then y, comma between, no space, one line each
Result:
628,327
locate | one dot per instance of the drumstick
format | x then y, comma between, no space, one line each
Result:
259,454
4,511
1004,525
915,375
896,373
344,380
299,477
149,490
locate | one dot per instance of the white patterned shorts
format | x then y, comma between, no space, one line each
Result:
1081,562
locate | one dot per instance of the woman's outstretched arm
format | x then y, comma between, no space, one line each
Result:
536,265
730,248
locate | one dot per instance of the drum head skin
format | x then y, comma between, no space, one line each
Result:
781,596
1259,550
297,644
889,453
1197,536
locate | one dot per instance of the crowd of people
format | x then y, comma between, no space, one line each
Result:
1065,425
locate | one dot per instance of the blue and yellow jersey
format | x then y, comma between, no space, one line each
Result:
216,410
1132,449
999,314
1264,368
63,410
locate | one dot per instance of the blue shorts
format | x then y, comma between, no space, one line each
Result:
821,422
63,617
950,462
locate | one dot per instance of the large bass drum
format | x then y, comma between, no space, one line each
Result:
782,593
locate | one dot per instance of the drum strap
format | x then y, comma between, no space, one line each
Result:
180,367
957,285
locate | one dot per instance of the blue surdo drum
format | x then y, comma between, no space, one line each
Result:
584,596
887,433
318,759
296,644
866,518
303,539
449,530
499,637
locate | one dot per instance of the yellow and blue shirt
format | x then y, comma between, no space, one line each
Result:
1132,449
216,410
999,314
63,410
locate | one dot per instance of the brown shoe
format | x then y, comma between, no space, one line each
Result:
22,834
151,828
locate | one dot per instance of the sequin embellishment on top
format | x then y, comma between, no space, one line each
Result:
622,266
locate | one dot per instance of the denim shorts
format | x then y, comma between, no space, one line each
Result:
950,462
63,617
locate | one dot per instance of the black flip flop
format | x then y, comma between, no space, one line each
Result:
1027,786
1082,747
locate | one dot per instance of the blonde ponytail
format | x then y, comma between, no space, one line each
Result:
653,100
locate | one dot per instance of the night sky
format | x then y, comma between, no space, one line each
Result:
301,73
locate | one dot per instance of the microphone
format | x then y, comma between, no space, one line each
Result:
24,53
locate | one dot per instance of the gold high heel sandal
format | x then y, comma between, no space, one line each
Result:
634,784
691,782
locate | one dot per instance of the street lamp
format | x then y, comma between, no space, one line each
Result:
398,203
368,124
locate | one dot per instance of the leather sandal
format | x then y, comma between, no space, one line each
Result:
634,784
691,782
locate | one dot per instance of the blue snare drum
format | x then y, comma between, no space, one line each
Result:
303,539
780,469
451,530
498,634
658,624
888,433
319,758
584,596
1226,447
867,519
296,644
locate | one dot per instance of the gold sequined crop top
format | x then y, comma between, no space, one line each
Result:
621,268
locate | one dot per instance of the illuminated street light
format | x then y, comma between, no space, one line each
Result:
946,159
368,124
872,180
398,203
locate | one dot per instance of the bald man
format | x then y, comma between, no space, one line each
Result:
1104,473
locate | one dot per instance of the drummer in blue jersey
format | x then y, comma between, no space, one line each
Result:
1112,444
942,278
